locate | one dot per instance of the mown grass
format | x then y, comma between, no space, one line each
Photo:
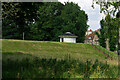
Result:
47,49
45,59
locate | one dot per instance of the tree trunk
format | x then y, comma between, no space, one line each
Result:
119,36
107,44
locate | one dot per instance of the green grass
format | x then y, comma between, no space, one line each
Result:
47,49
47,59
35,67
109,53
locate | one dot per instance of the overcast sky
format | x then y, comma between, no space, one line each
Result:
94,15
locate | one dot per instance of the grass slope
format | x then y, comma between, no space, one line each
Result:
109,53
24,59
48,49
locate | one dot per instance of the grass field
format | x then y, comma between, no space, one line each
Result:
49,54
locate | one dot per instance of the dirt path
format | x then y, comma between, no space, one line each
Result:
100,51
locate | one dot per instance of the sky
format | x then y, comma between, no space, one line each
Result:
94,15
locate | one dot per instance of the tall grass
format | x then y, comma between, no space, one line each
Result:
44,59
33,67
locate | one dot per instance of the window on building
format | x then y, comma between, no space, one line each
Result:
89,37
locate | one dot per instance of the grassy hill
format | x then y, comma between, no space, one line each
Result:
65,60
48,49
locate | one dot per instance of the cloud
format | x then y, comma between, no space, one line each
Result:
94,24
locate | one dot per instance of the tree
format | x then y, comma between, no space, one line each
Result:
9,29
45,21
111,20
101,36
74,20
23,14
56,19
118,20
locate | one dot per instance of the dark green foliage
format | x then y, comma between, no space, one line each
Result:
118,19
109,30
45,21
57,19
112,43
74,20
112,21
102,36
113,34
10,29
21,14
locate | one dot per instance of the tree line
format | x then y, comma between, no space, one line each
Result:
43,21
110,24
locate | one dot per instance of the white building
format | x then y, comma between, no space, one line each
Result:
68,37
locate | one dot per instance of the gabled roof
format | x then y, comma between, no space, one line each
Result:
68,34
90,30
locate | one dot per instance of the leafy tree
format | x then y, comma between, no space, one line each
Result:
111,20
45,21
113,34
57,19
109,31
9,29
48,16
118,20
102,39
23,14
75,20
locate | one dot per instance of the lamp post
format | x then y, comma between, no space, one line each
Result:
23,35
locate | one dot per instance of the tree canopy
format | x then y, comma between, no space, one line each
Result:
43,21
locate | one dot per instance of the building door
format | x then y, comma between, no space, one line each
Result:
62,39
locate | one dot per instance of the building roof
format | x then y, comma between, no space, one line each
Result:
97,30
93,31
90,30
68,34
90,35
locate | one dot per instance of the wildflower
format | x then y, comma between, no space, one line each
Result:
98,68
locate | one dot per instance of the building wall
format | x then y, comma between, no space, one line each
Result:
72,40
60,39
94,38
87,33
